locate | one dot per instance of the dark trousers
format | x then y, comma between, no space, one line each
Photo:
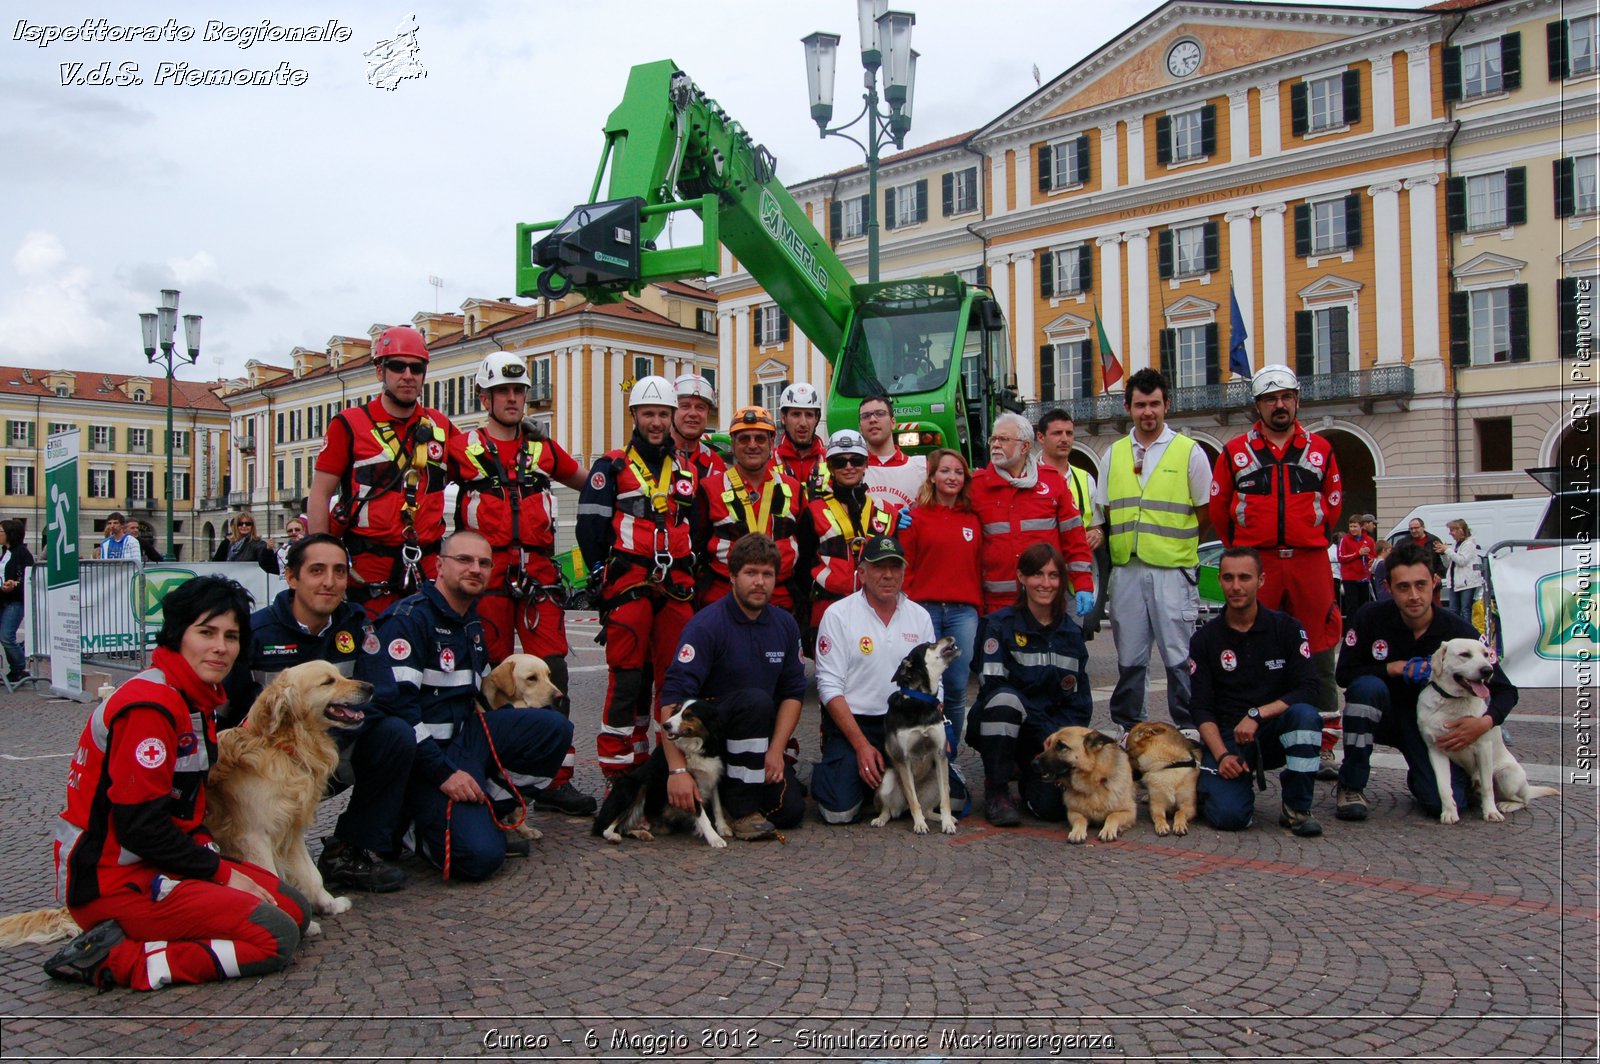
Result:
1290,739
379,753
529,741
1008,737
750,716
1370,717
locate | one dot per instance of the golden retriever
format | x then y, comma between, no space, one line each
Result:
1169,765
273,769
521,681
1095,778
262,793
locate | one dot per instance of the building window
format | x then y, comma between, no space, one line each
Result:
767,393
1486,201
282,484
1065,271
1491,327
1575,186
1481,69
19,480
643,366
1191,362
138,395
1066,371
139,441
1494,444
1583,40
1325,103
906,204
18,433
180,441
705,320
99,483
961,191
1330,340
1188,251
771,326
61,391
1064,163
710,374
100,438
141,484
849,218
58,427
180,486
1186,135
540,390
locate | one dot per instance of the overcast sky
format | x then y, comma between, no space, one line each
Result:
289,214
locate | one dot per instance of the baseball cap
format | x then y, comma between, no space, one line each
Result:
883,549
1369,517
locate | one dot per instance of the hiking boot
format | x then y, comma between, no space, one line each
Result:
1350,805
753,827
1327,766
517,846
83,959
1300,823
565,799
1000,810
349,867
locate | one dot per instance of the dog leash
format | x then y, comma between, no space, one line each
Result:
449,808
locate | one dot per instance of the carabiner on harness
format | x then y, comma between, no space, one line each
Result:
663,556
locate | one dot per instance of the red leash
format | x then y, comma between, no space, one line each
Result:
522,815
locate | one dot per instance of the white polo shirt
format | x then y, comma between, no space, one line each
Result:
857,654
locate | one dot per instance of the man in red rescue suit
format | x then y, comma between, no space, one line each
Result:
838,525
801,453
696,400
1276,488
134,862
505,470
385,462
751,495
634,519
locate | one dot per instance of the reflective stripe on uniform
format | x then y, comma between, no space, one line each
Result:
425,730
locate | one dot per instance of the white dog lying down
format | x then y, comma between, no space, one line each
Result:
1460,688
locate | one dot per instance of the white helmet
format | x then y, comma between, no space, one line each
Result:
847,441
652,391
502,367
1273,379
799,396
692,384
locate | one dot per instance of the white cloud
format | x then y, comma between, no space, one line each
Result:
52,317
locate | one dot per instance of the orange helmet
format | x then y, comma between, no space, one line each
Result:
752,417
400,341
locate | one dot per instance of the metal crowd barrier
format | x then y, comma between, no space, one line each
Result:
112,605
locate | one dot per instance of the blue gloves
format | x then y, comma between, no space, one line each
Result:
1417,670
905,519
1084,600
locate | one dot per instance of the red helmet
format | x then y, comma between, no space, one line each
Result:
400,341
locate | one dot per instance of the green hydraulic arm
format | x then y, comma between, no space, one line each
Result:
671,148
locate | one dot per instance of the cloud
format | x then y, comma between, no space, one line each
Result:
51,318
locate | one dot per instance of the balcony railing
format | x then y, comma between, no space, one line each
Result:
212,502
238,498
141,505
1367,386
246,444
540,392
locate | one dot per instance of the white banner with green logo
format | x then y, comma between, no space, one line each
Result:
1547,599
126,614
61,563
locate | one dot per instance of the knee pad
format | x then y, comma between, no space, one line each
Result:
285,935
299,900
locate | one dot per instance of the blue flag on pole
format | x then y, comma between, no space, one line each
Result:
1238,359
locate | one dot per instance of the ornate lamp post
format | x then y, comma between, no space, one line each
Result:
885,48
159,329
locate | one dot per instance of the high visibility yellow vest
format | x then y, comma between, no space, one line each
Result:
1155,523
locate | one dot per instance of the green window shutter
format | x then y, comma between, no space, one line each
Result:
1169,344
1451,71
1047,372
835,221
1164,253
1352,220
1208,129
922,200
1163,139
1567,315
1302,230
1083,158
1517,196
1455,204
1304,346
1212,246
1046,175
947,190
1085,369
1085,268
1339,338
1460,328
1556,53
1213,353
1521,349
1511,62
1047,273
1566,180
783,327
1352,96
888,208
1299,108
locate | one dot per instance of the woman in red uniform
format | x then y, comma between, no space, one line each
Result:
943,540
133,862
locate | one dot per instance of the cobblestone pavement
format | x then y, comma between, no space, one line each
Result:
1394,939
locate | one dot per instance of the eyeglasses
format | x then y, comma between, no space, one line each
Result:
1007,440
875,415
840,461
471,561
395,365
245,524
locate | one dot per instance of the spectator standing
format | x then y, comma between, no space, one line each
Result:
243,543
15,560
1463,575
1357,552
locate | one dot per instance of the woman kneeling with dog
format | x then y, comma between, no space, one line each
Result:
177,912
1033,681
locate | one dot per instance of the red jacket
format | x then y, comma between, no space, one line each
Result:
944,556
491,473
1264,498
370,453
620,524
809,468
839,540
1014,519
1352,566
136,791
726,513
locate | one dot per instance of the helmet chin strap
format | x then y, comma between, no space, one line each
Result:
398,404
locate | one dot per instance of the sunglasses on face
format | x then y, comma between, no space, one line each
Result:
395,365
857,460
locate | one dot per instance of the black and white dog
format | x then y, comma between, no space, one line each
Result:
696,729
913,740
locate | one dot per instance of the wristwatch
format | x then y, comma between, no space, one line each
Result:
1254,713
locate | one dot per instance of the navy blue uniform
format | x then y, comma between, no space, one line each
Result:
1032,681
375,758
751,666
1383,708
1231,672
430,663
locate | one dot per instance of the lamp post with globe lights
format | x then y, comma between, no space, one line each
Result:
159,329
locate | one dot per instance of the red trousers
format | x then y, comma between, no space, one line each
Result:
1302,586
640,633
199,931
380,568
541,629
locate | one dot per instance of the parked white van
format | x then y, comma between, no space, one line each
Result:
1491,521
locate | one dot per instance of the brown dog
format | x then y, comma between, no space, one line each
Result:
522,681
1169,766
1095,778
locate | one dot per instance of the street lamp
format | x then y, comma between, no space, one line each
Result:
158,330
885,48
